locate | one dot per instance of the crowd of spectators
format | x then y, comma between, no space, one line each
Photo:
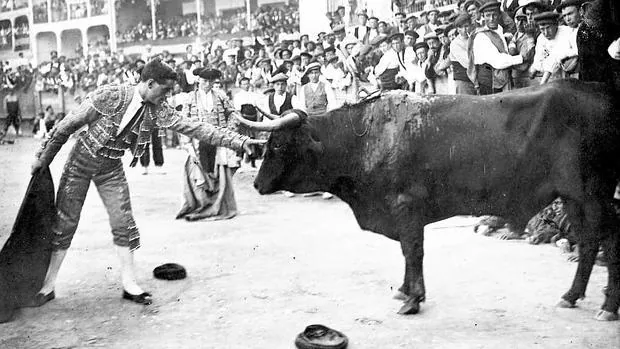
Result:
266,20
356,56
170,28
39,12
10,5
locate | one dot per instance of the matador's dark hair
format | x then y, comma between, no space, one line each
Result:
158,71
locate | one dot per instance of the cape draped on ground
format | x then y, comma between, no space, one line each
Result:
26,254
207,195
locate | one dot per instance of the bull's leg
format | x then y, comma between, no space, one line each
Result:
587,255
403,291
609,311
413,286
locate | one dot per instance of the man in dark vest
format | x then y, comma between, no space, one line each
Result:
279,101
361,31
489,61
459,57
316,96
119,117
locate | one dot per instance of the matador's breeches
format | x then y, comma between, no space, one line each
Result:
109,177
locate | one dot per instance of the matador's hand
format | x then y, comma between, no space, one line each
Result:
251,146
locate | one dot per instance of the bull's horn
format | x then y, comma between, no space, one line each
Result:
270,125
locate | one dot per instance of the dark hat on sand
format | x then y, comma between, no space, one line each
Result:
170,271
321,337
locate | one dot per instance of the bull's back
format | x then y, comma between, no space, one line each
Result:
509,154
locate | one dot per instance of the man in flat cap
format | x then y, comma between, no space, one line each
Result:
280,100
555,46
459,57
399,22
230,70
383,28
489,61
391,68
432,23
411,23
472,7
316,96
373,24
571,13
532,8
120,117
409,39
421,72
361,31
262,75
523,43
339,34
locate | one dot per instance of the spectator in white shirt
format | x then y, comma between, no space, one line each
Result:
553,47
490,61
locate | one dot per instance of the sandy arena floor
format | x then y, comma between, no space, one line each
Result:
257,280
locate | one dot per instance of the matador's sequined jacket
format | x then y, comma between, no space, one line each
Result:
103,109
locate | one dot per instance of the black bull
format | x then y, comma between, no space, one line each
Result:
402,161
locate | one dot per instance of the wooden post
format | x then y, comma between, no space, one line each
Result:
198,17
153,20
112,28
248,18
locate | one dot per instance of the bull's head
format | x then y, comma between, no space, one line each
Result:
292,155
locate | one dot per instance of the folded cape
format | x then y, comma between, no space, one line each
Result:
26,254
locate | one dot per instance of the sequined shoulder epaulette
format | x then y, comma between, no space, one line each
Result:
111,99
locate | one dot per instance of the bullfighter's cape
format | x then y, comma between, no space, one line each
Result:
26,254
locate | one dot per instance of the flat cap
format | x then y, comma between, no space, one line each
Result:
430,35
472,2
547,17
492,5
420,45
397,36
462,20
264,60
412,33
279,77
569,3
338,28
312,66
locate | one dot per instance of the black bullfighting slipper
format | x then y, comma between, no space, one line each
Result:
144,298
321,337
39,299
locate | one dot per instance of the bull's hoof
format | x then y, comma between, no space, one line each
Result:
563,303
410,307
400,296
604,315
